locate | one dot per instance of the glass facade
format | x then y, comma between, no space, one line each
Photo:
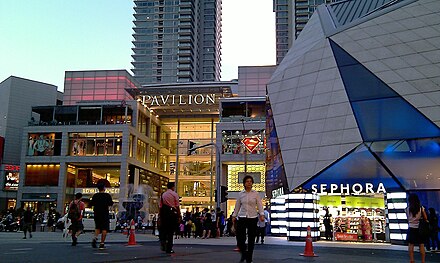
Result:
197,171
97,85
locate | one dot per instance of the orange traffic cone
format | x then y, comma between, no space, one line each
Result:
308,251
132,238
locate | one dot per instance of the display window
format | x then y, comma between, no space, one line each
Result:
240,142
353,218
93,144
44,144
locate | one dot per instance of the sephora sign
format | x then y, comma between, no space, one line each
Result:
348,189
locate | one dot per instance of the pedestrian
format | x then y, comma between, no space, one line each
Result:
433,243
261,227
169,214
414,212
101,202
28,217
75,214
328,225
247,208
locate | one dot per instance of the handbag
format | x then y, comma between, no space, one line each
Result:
423,227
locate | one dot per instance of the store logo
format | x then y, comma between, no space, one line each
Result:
162,100
251,143
355,189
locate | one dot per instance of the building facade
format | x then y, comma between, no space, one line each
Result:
290,18
176,41
349,102
17,96
70,147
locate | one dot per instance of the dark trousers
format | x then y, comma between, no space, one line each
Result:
166,230
249,224
76,226
261,232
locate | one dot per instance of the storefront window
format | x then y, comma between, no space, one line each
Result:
44,144
130,145
154,132
153,157
196,188
92,144
238,141
163,166
141,152
143,122
87,177
42,175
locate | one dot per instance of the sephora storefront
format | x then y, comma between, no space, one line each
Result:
365,192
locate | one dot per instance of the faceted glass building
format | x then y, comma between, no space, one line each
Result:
176,41
356,104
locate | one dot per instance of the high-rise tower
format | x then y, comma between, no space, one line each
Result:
176,41
290,18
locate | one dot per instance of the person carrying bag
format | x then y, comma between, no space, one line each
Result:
416,231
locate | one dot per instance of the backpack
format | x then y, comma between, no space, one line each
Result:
73,213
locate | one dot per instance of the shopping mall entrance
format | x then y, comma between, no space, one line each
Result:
354,218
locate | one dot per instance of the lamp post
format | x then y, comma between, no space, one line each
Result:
244,147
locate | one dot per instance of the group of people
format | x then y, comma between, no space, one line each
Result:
248,217
101,202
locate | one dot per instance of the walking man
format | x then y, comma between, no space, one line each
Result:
169,217
75,214
28,216
101,202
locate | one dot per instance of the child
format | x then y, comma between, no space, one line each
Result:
181,229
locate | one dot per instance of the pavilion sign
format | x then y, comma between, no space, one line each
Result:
179,100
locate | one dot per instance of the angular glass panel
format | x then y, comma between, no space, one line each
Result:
358,167
391,118
415,163
359,82
380,112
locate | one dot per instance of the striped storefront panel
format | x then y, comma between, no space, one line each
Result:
278,216
302,211
396,215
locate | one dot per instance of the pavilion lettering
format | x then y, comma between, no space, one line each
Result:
190,99
355,189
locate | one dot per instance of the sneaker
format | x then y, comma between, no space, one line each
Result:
94,243
170,251
101,246
24,237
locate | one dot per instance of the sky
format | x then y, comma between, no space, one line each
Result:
41,39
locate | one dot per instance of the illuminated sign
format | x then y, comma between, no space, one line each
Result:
12,175
277,192
251,143
348,189
10,167
189,99
89,191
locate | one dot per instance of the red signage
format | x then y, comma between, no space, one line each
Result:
346,236
10,167
251,143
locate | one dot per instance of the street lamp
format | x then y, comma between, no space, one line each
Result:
244,147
